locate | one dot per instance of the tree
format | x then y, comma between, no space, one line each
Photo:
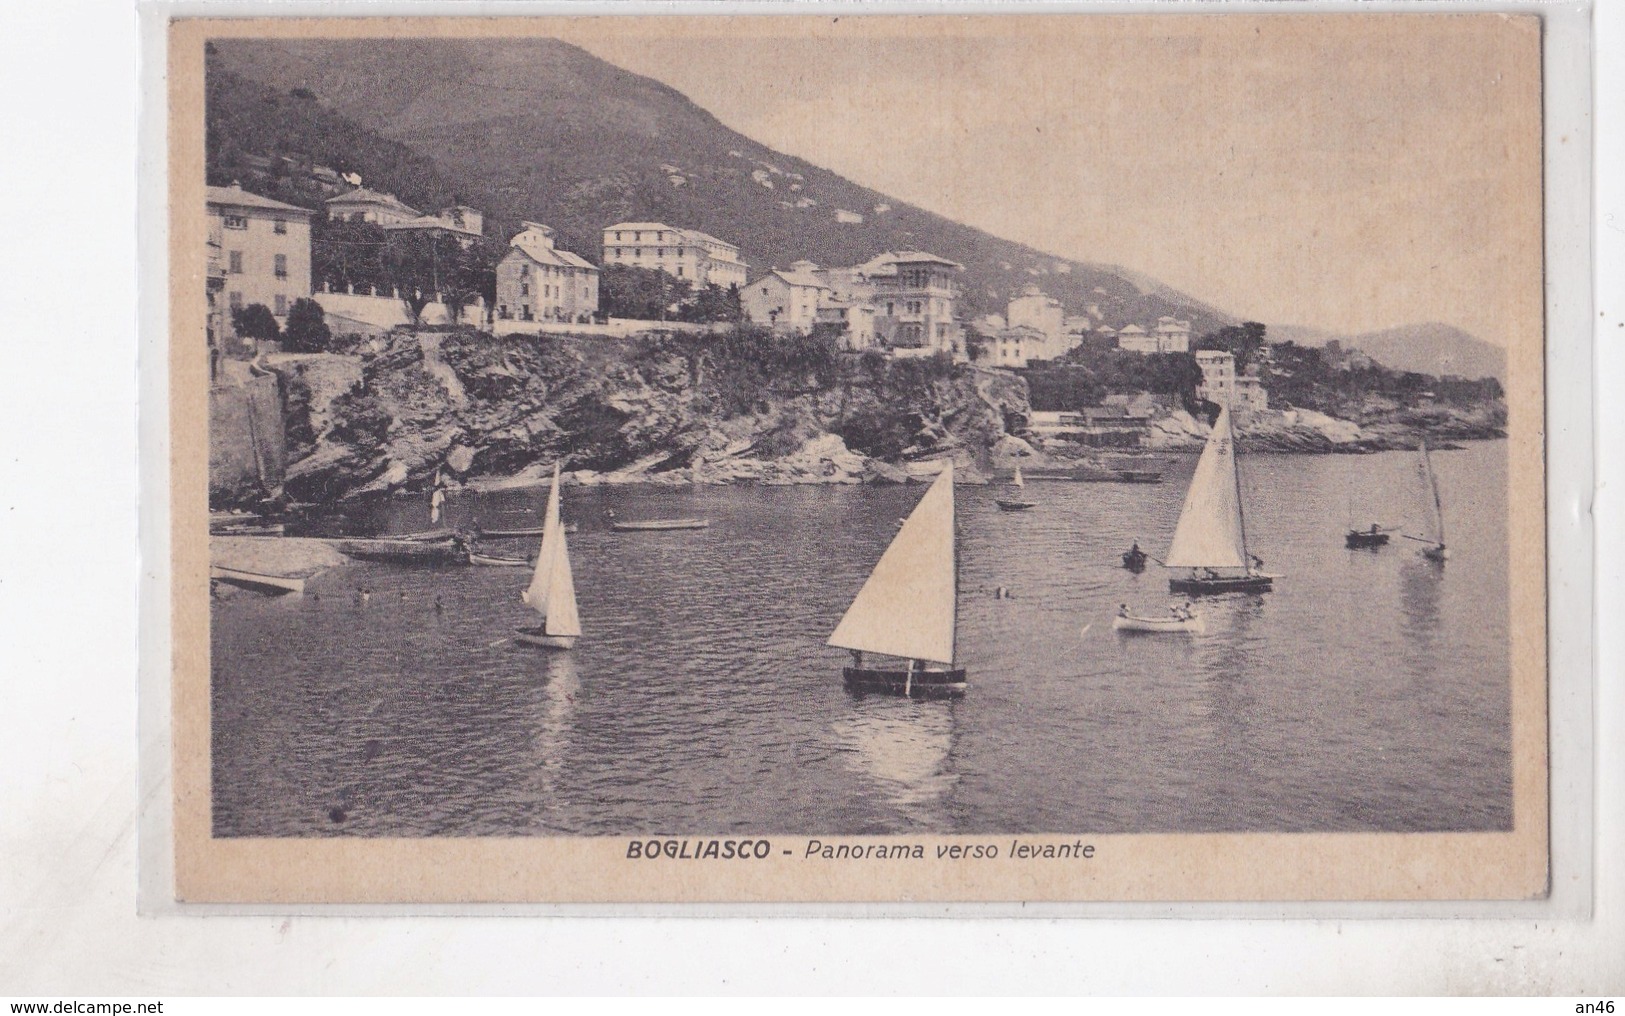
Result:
307,330
1243,342
641,293
256,322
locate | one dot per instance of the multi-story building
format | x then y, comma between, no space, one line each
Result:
914,304
1017,344
688,254
1221,385
855,318
1172,335
1033,308
460,222
537,281
363,205
1134,339
264,248
787,299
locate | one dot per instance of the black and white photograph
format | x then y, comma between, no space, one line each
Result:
833,438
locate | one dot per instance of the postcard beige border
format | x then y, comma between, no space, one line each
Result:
1194,867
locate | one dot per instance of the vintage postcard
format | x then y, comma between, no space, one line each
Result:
858,459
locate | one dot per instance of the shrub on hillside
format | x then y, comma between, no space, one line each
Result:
256,322
307,330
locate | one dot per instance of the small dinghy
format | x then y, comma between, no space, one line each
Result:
1172,624
498,560
1015,503
499,534
1365,539
659,525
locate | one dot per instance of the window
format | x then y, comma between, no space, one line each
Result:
236,222
679,271
281,226
524,288
639,252
281,305
236,301
235,262
282,266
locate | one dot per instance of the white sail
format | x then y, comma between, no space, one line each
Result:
1018,481
1430,513
552,589
906,608
1209,533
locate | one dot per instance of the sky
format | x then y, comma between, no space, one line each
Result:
1351,173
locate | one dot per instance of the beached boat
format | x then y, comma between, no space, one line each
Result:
1015,503
1430,511
392,551
907,608
1209,553
260,582
655,525
1172,624
552,592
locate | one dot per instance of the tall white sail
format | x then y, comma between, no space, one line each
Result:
1209,533
907,606
1430,513
1017,481
552,591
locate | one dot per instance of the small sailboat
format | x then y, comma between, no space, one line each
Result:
552,592
1209,553
908,606
1015,503
1430,510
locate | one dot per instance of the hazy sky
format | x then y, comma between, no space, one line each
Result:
1350,173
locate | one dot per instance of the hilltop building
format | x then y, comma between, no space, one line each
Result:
786,299
688,254
1134,339
460,222
537,281
259,251
363,205
1172,335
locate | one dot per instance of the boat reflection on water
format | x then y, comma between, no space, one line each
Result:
1419,581
902,748
561,683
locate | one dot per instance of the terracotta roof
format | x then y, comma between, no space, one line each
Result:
363,196
239,198
552,256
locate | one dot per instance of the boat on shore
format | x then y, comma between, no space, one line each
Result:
658,525
393,551
1209,553
907,608
1092,473
552,592
260,582
1172,624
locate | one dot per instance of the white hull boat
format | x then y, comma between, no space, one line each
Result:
1193,625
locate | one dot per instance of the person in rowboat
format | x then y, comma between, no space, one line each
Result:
1122,610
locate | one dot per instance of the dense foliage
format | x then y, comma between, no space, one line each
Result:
256,322
1087,374
307,330
649,294
1300,376
746,365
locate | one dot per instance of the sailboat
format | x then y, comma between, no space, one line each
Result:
1431,511
907,608
552,592
1015,503
1209,553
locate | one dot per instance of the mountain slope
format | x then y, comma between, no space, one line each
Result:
539,129
1426,348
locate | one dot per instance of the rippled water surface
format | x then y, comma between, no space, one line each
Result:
1369,691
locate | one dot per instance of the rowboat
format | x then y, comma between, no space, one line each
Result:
426,536
497,561
552,592
260,582
498,534
247,529
655,525
908,607
1133,623
1097,474
402,551
1365,539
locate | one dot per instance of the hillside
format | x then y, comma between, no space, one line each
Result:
539,129
1427,348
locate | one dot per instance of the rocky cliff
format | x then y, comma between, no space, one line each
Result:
490,410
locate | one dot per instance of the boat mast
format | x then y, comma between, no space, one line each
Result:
1241,511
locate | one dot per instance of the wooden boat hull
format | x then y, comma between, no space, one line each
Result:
401,551
492,561
540,639
276,585
659,525
498,534
1159,625
1358,540
1207,587
923,684
1014,506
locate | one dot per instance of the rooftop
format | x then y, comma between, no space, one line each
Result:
363,196
239,198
